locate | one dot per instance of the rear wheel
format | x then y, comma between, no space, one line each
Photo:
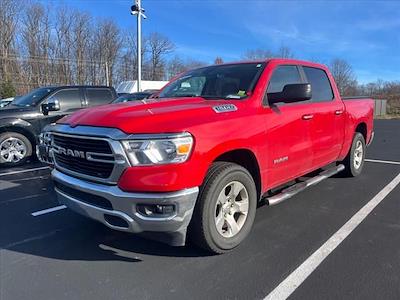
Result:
225,209
15,149
354,161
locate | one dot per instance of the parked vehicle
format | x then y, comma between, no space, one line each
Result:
22,120
129,87
197,160
133,97
6,101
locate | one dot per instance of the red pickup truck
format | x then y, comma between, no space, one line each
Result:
196,159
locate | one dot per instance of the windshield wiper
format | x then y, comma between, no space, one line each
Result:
179,96
208,97
184,95
211,97
227,97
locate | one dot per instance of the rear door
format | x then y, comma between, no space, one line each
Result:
328,121
98,96
288,130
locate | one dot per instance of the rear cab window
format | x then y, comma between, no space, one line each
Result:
320,84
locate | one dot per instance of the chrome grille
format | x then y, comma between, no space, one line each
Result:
83,155
82,144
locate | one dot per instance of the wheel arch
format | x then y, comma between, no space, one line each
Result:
21,130
247,159
362,128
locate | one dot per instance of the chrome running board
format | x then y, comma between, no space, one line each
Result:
301,186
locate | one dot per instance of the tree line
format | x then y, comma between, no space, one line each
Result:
42,45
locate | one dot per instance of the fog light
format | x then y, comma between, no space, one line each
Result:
156,210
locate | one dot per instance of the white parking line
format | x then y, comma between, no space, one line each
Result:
24,171
383,161
296,278
49,210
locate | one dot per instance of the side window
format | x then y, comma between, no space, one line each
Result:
320,85
69,99
282,76
98,96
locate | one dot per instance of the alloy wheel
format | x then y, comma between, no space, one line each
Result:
12,150
231,209
358,155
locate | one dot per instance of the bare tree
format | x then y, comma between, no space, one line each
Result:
258,54
9,17
107,47
63,40
218,61
193,64
37,43
344,75
263,54
177,65
81,32
128,61
159,46
285,52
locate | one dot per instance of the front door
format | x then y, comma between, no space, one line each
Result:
70,100
289,144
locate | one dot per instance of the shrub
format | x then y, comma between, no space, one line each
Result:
7,89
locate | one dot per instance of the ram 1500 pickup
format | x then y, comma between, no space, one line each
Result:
195,160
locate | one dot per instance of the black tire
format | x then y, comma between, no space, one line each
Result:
353,169
24,140
203,229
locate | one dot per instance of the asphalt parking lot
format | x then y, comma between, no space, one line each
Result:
61,255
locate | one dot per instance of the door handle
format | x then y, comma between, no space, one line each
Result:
338,112
308,117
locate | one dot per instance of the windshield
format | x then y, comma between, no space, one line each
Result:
223,82
33,98
131,97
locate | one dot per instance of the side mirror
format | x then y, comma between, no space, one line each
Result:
291,93
51,105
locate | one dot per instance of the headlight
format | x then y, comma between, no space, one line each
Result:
158,151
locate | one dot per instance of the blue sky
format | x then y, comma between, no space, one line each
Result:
365,33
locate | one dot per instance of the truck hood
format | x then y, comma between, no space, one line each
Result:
16,111
151,115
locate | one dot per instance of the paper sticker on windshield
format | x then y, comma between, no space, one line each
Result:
224,108
241,93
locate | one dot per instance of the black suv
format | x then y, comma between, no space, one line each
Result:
23,119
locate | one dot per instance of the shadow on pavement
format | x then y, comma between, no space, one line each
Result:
89,241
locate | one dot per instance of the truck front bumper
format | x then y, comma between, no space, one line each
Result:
121,210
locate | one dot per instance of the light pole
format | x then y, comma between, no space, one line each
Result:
137,10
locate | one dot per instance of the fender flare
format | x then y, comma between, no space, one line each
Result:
20,126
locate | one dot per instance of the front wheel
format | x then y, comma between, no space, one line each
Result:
225,209
354,161
15,149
